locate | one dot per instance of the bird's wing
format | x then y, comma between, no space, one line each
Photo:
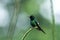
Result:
39,28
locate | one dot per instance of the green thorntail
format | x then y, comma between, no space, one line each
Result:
35,24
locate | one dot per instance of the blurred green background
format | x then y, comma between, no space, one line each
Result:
14,19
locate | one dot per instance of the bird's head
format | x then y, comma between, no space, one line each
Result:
32,17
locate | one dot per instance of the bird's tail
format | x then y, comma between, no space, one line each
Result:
39,28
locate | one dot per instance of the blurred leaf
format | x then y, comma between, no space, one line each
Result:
31,6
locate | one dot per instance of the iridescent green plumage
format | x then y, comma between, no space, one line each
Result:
35,24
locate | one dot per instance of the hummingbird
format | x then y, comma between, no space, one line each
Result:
35,24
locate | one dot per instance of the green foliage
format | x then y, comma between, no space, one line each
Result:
31,7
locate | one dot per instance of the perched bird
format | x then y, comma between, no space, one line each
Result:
35,24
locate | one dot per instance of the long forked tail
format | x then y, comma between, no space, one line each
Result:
39,28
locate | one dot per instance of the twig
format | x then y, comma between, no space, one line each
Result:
26,33
53,20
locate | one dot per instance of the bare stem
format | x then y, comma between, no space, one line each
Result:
53,20
26,33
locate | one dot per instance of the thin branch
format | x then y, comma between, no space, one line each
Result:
26,33
53,20
13,21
